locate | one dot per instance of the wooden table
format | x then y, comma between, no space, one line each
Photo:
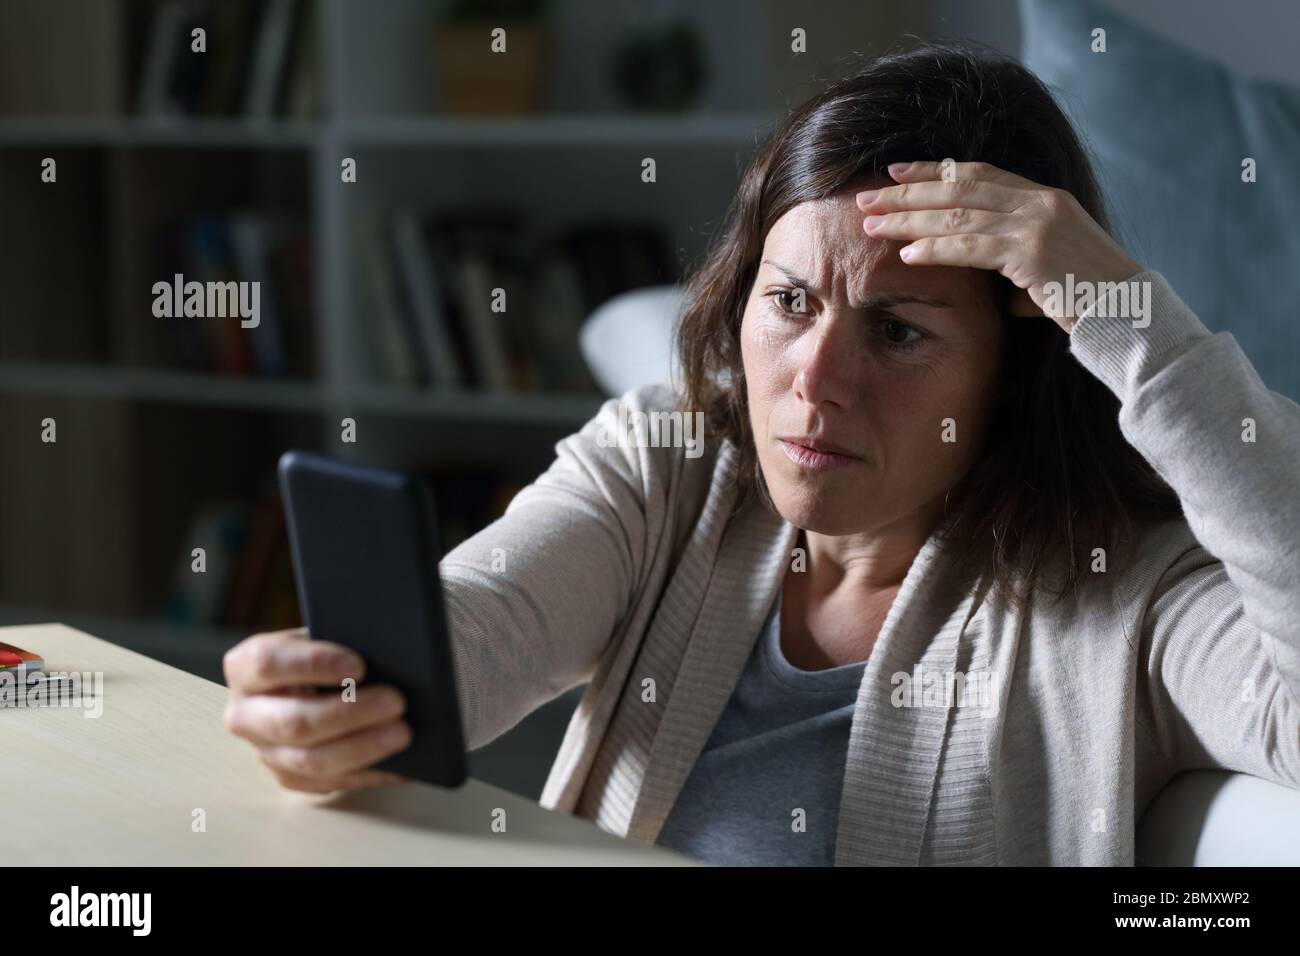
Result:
126,788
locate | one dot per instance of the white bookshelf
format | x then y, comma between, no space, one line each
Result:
380,105
159,385
119,383
138,132
600,130
577,159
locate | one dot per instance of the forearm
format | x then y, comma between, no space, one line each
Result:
1195,408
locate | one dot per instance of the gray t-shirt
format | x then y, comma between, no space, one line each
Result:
779,746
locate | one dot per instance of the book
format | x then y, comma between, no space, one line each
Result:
429,283
290,260
198,597
273,250
393,352
189,68
230,44
250,235
210,259
487,342
301,95
425,299
470,247
165,40
251,570
560,312
259,61
269,63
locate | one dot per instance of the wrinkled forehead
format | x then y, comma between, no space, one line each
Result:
823,241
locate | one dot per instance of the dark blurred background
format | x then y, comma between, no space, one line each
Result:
472,171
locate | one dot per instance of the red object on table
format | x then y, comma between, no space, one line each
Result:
13,657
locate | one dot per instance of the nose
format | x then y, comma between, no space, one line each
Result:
827,364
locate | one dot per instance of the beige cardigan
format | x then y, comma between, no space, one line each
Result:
621,566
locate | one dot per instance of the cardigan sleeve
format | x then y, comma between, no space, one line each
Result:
533,599
1220,635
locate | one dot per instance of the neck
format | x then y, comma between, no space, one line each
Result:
867,562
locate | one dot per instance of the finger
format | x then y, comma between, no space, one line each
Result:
970,193
267,662
967,250
271,719
937,222
342,755
957,172
237,656
352,781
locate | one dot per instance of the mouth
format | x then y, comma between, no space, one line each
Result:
815,455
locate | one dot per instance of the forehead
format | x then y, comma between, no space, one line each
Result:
823,242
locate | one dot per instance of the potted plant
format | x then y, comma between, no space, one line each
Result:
485,72
659,67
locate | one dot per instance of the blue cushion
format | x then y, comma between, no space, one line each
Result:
1169,129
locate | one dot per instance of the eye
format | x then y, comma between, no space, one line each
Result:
896,334
899,336
776,298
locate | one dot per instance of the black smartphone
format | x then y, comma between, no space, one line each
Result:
365,556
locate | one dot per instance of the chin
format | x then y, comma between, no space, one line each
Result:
831,514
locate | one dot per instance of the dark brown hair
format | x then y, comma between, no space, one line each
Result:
1056,477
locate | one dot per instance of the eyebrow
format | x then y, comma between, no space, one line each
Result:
877,300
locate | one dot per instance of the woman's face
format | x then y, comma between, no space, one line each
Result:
884,363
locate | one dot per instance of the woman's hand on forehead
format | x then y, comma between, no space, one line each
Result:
976,215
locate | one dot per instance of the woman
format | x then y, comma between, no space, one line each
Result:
966,574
